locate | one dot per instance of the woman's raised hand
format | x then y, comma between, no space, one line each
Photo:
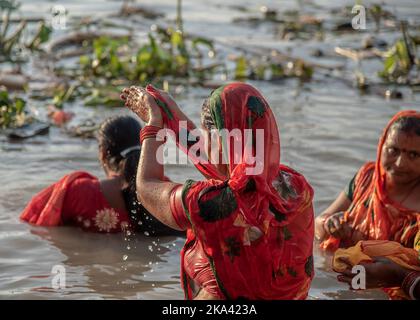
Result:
138,100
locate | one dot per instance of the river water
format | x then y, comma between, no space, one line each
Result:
328,130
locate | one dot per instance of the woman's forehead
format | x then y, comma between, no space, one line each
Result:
398,138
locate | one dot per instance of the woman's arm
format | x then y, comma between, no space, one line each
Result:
152,191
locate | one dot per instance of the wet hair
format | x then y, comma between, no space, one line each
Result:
206,118
117,134
408,125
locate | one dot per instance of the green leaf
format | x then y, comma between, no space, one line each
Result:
389,65
20,105
241,68
44,34
177,39
4,98
85,61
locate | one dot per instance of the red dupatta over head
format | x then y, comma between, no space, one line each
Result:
372,212
225,217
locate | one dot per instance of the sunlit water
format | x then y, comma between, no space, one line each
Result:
328,130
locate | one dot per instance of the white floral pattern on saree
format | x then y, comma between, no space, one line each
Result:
106,219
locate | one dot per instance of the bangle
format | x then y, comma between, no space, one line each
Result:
149,132
410,282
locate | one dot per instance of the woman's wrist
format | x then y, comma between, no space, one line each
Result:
155,121
410,283
401,273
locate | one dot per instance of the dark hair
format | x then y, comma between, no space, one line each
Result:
408,125
206,118
118,134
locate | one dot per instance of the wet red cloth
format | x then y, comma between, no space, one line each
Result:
258,242
75,199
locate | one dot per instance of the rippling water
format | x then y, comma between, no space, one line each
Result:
327,132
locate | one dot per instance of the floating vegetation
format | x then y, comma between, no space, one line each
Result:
63,94
15,122
11,43
271,70
91,65
12,111
400,59
166,55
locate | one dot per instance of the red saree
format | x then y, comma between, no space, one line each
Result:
372,212
255,229
75,199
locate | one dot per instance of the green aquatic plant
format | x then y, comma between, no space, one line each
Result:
41,36
266,69
400,59
166,53
105,60
11,43
241,69
12,110
64,94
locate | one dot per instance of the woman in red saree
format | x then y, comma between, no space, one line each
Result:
382,201
108,205
250,223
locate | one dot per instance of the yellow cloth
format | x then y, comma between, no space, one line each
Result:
365,251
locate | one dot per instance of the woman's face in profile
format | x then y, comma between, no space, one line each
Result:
401,157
